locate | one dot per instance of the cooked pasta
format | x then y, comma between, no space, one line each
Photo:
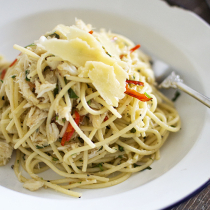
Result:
82,104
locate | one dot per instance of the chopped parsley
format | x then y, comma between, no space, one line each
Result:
26,73
38,147
100,165
100,148
13,76
2,98
133,130
30,45
108,54
54,159
147,168
176,95
64,120
147,95
56,117
54,35
89,102
72,94
120,148
1,80
56,91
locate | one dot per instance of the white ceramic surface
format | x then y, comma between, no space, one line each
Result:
173,35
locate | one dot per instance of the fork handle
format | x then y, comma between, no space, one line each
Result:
200,97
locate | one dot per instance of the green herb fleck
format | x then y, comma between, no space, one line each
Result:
54,159
100,148
26,73
13,76
147,95
1,80
136,165
56,91
30,45
173,126
120,156
72,94
176,95
56,117
65,80
108,54
2,98
54,35
74,154
100,165
133,130
89,102
120,148
147,168
64,120
59,139
17,161
139,70
38,147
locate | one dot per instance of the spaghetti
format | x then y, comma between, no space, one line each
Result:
82,104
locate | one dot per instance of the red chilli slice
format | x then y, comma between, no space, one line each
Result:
3,73
90,32
135,94
70,130
135,48
135,82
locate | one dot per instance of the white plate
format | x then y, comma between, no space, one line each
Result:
174,35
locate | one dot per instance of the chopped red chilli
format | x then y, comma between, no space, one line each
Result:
70,130
135,82
90,32
135,48
135,94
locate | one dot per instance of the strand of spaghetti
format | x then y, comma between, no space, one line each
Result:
144,146
44,106
74,166
12,104
26,51
38,151
78,184
16,168
62,190
78,79
41,77
85,154
16,92
12,122
81,134
114,169
65,180
133,149
21,105
40,170
67,175
85,105
26,136
120,110
106,141
5,121
66,95
57,153
106,147
108,184
3,127
48,184
87,98
172,129
110,108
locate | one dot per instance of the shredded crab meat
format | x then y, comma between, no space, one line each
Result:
25,89
54,133
43,88
5,153
33,185
35,115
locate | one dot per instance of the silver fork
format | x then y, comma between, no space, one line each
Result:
169,79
